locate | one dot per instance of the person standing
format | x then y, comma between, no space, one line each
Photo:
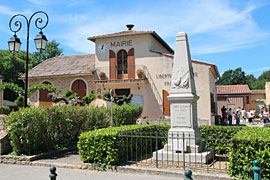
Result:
224,115
244,114
238,115
230,116
266,115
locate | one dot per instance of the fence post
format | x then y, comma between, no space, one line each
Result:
188,174
53,174
257,170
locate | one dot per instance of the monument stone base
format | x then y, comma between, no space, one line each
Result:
205,157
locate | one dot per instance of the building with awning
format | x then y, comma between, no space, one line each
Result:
234,96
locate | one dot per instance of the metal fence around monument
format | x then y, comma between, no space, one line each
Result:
140,150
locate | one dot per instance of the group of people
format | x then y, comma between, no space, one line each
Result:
228,116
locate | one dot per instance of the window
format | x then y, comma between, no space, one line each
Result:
122,62
213,104
122,92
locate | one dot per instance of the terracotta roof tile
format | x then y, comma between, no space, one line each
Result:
258,91
64,65
233,89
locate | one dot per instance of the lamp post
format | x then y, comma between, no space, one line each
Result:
40,41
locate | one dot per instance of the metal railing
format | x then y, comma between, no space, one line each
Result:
183,151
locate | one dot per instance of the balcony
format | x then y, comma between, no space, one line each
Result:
121,75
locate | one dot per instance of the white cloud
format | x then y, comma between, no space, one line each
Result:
258,70
6,10
213,26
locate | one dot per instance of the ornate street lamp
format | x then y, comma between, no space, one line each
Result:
14,43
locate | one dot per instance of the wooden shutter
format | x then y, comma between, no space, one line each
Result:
131,64
166,103
112,65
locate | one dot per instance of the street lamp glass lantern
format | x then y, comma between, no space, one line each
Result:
40,41
14,44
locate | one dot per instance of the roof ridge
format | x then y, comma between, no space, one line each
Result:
121,32
233,85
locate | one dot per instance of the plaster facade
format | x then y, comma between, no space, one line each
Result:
267,93
1,92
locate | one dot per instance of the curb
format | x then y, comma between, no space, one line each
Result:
139,170
33,161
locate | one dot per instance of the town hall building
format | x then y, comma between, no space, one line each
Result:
137,62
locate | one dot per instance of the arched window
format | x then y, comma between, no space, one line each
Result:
43,96
122,63
79,87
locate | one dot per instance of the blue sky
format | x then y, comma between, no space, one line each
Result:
230,34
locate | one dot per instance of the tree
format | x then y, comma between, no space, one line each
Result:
259,84
12,66
265,75
262,79
232,77
52,50
250,79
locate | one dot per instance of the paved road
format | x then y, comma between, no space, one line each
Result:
20,172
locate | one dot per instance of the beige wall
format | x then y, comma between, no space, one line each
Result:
142,44
151,106
63,83
267,93
256,97
1,92
158,69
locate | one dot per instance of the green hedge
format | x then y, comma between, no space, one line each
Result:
218,137
126,114
35,130
249,144
4,110
112,146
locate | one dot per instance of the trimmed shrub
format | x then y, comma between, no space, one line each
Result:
249,144
125,114
4,110
218,137
89,98
19,101
112,146
35,130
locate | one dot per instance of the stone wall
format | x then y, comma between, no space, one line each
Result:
63,83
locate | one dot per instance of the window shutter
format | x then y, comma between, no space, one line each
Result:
112,65
131,64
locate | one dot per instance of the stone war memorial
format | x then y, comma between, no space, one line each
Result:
184,138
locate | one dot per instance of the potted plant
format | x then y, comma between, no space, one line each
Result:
140,73
102,75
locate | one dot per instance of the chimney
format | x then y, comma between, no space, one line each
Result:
130,26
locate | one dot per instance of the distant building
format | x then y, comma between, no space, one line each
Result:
1,92
118,59
267,94
234,96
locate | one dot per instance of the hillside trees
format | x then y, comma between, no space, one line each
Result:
237,76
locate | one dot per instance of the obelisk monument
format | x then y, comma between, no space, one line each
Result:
184,136
183,98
